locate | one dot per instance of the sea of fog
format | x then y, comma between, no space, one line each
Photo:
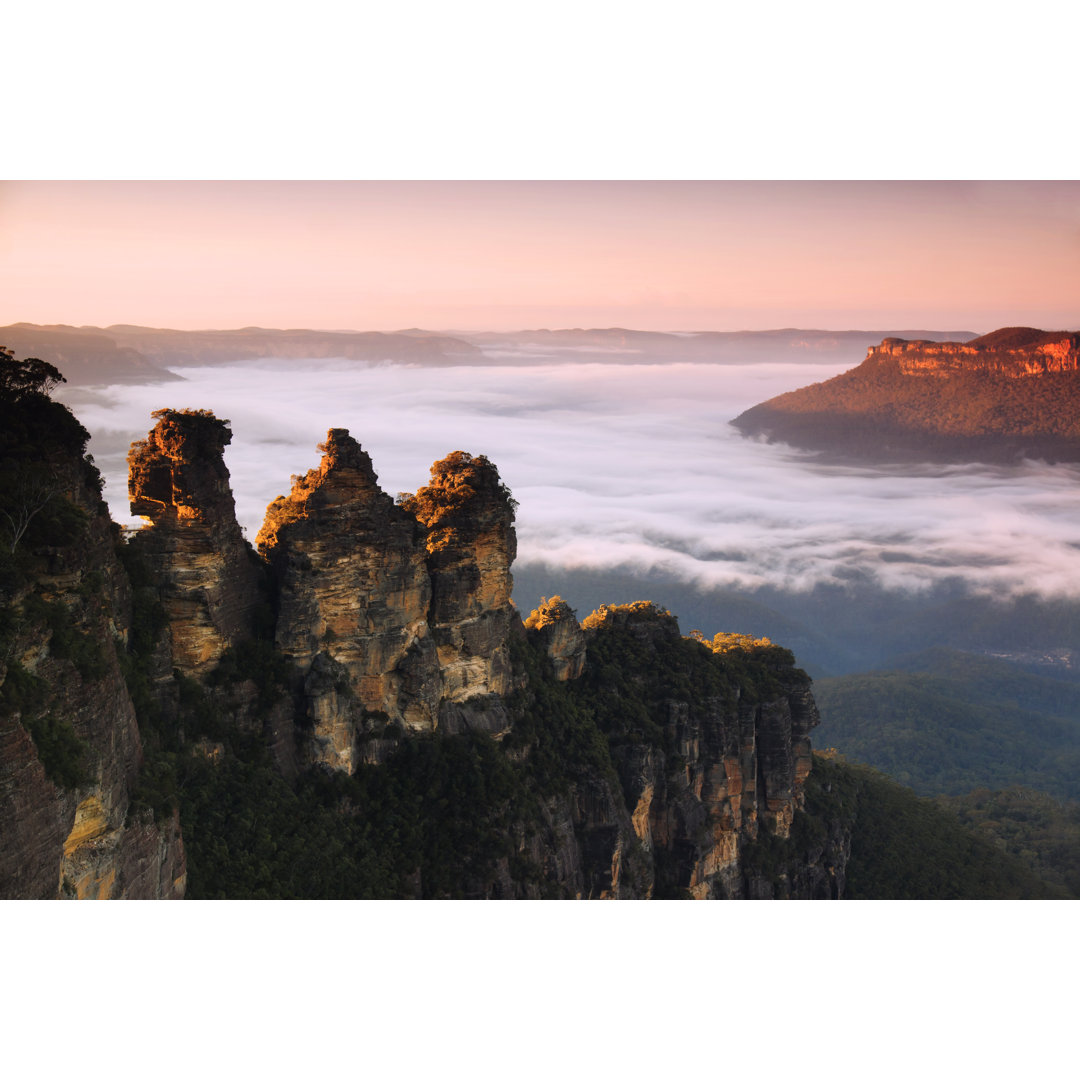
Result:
631,466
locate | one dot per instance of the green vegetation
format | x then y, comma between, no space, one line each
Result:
1031,825
951,722
21,691
38,440
61,752
66,640
902,847
907,848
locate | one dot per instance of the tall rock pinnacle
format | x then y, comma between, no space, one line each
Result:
471,543
354,593
177,479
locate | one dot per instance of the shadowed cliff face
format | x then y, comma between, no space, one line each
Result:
70,747
209,581
719,757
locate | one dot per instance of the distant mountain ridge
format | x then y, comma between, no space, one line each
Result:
126,353
1009,394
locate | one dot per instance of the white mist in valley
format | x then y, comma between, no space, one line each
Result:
628,466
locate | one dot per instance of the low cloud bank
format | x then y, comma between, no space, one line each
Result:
629,465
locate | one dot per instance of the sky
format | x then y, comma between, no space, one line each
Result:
507,255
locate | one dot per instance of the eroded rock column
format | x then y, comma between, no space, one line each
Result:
471,543
354,591
193,545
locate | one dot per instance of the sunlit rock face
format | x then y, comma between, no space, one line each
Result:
194,547
1009,395
396,617
470,545
353,597
1014,352
561,635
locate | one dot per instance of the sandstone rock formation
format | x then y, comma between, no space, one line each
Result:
354,591
627,761
396,618
1014,353
561,635
471,543
193,545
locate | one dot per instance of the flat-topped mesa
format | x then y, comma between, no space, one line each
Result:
471,543
354,591
1013,352
193,544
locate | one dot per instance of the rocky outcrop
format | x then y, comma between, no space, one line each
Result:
710,773
193,546
396,617
560,635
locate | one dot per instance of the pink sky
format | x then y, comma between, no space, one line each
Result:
502,255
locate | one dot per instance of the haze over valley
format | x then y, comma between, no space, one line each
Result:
634,467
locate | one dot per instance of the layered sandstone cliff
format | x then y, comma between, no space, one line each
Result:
192,544
1013,353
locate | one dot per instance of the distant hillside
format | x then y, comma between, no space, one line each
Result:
1029,825
84,355
1009,394
185,348
945,722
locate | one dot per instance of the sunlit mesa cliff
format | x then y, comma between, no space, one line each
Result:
1010,394
1013,353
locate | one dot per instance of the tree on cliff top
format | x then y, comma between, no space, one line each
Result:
18,378
38,440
